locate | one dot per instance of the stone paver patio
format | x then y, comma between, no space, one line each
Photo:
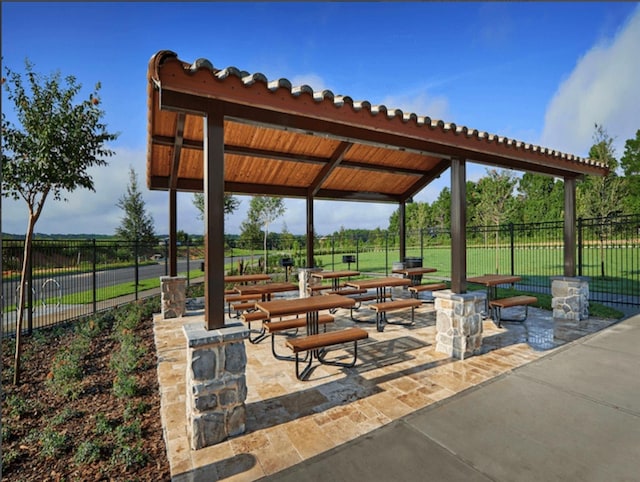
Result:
398,372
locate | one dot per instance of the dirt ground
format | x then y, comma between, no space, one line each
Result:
31,410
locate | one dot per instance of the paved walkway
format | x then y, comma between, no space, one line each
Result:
407,412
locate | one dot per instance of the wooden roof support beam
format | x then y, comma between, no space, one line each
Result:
458,226
325,172
570,226
177,150
426,179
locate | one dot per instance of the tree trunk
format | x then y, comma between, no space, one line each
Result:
266,233
26,258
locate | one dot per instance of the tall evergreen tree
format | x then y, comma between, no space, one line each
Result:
136,224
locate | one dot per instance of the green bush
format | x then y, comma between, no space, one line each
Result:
87,453
52,443
125,386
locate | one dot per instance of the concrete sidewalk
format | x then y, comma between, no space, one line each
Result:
572,415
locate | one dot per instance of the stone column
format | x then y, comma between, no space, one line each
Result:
305,280
216,383
459,322
173,296
570,298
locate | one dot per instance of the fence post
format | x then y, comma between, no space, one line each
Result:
580,225
422,245
137,271
333,252
30,293
94,279
511,236
188,256
357,253
386,254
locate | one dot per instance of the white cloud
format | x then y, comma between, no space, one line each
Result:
96,212
436,107
603,89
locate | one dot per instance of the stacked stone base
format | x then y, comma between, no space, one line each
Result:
459,323
173,298
216,383
570,298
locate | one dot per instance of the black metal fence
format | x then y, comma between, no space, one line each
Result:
69,279
73,278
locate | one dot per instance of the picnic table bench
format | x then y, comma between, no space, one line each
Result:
518,300
314,343
381,310
417,289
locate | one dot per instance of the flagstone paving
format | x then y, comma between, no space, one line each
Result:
398,372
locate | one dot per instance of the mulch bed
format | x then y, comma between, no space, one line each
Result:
31,408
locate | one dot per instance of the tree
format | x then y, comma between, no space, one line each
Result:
630,163
265,210
601,196
137,225
48,152
230,203
496,201
541,198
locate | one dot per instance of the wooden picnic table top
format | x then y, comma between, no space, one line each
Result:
414,271
246,278
335,274
266,288
378,282
494,279
297,306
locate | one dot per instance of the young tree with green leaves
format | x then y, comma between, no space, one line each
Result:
136,226
48,151
601,196
496,203
630,162
265,210
230,203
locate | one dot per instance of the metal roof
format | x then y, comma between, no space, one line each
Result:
296,142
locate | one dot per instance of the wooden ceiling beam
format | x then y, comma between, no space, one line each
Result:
177,150
325,172
426,179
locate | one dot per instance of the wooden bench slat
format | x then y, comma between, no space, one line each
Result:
347,291
254,316
428,287
312,342
292,323
243,306
396,305
237,297
513,301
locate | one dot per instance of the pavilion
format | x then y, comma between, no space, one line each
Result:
223,130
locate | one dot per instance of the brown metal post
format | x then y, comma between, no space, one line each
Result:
458,226
402,230
569,226
310,232
214,218
173,241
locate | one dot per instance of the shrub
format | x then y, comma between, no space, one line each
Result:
87,453
52,443
125,386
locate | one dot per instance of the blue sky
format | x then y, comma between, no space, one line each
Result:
538,72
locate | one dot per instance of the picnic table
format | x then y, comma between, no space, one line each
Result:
335,276
381,285
491,281
414,274
266,290
314,342
246,278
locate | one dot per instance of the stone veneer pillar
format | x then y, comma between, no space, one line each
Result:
216,383
459,322
173,296
570,298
